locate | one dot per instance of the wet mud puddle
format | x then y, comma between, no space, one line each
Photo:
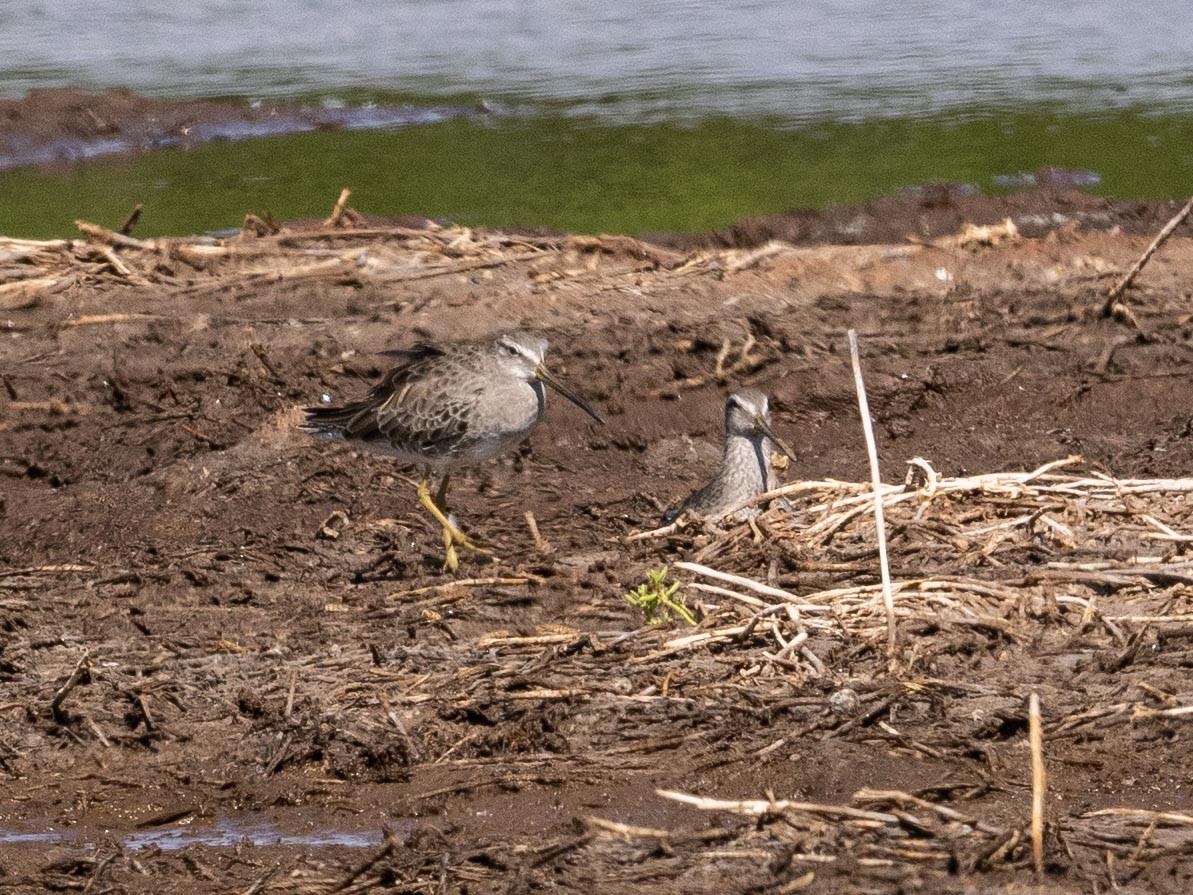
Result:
225,832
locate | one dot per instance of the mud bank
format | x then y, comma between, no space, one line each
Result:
250,623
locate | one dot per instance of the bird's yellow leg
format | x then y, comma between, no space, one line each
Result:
451,534
451,562
441,494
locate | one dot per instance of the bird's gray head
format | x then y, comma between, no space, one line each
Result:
747,414
523,356
521,353
744,410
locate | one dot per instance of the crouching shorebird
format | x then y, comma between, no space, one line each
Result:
450,405
745,462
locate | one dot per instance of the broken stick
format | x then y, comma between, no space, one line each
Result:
131,221
81,668
338,212
1112,300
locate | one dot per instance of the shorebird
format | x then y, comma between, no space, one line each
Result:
450,405
745,462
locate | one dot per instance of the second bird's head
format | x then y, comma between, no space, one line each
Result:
747,414
523,356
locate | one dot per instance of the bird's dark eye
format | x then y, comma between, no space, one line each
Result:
511,349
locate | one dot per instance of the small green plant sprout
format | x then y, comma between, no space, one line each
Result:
656,598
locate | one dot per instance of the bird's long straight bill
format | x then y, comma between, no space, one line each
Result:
778,442
545,376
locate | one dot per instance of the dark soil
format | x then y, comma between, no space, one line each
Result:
260,642
54,126
938,209
60,124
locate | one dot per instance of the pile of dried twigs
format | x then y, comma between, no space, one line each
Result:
980,551
350,249
1008,555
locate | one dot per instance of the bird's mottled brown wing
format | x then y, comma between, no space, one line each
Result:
403,409
421,417
358,419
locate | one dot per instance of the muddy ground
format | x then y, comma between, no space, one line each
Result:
53,127
210,619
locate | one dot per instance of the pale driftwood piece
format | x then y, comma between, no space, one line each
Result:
760,807
51,569
974,235
1166,532
888,598
446,270
735,261
541,544
1112,299
112,238
748,583
1143,711
1144,815
657,256
99,319
921,477
36,244
499,639
462,584
289,710
1011,484
23,291
337,213
906,798
99,734
691,640
1183,618
661,532
1039,782
626,831
726,592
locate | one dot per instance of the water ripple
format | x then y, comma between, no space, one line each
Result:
827,59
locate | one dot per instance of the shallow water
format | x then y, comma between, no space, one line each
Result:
666,116
662,60
224,832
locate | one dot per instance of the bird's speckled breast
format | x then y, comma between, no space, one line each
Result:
745,467
503,417
743,475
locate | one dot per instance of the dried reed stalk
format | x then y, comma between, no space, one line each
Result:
888,599
1039,782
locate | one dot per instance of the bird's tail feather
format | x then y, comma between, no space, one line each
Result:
327,422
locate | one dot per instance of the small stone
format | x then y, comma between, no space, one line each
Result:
844,702
621,686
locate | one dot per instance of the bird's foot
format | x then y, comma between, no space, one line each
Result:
450,532
453,536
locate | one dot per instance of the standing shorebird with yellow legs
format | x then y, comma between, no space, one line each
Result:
450,405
